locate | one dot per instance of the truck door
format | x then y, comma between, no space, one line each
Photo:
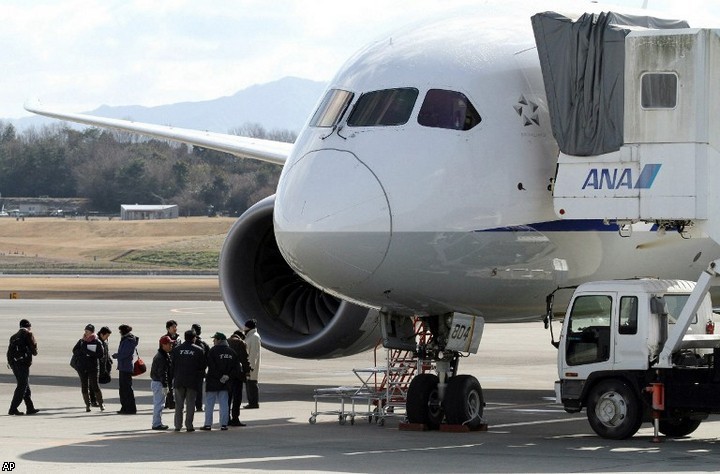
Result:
631,347
589,337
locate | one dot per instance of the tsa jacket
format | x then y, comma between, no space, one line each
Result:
188,363
222,360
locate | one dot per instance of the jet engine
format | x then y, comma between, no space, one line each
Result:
294,318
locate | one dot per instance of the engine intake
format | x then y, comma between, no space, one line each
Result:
295,318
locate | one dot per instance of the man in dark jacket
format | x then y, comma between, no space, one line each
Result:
222,367
159,380
199,342
89,350
20,352
237,343
188,362
124,356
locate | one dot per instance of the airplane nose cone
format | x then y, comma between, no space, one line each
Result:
332,219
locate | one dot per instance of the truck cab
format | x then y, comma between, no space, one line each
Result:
610,343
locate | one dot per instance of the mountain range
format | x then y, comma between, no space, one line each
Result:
284,104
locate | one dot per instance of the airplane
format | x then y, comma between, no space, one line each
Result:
421,187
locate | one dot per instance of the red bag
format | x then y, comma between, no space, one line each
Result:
139,366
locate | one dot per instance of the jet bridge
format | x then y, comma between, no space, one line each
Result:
659,160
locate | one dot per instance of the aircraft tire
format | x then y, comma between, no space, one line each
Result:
423,405
613,410
678,427
464,402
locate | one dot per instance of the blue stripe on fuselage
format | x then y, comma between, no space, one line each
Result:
570,225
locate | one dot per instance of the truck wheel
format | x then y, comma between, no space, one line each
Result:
464,401
613,410
678,427
423,405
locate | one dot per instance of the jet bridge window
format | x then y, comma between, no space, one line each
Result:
658,90
331,108
447,109
588,336
385,107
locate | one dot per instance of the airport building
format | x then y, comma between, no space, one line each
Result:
137,212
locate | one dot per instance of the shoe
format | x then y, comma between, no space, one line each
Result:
223,428
123,412
87,409
15,412
94,404
236,423
190,430
198,410
161,428
102,407
171,406
32,411
177,429
250,407
206,428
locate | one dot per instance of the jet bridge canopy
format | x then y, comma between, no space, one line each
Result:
582,65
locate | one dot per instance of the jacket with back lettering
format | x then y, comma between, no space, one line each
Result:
188,365
222,360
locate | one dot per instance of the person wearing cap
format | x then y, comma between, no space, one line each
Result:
222,367
252,340
171,327
21,349
199,342
159,379
89,351
124,355
188,361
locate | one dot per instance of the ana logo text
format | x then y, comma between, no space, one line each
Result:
619,178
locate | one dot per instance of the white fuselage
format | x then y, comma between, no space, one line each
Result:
421,220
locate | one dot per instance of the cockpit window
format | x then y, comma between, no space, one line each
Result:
331,108
448,109
385,107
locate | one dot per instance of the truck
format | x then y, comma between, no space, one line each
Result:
640,350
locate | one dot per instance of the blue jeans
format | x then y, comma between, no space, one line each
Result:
158,402
222,399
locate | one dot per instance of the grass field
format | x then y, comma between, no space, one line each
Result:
39,245
77,251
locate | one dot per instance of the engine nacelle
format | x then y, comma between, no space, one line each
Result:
295,318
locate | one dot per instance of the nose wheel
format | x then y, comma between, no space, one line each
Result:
423,403
463,403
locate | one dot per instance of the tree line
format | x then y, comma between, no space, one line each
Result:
111,168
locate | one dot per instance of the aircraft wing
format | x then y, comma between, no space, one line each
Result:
254,148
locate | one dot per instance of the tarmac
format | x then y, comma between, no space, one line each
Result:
527,431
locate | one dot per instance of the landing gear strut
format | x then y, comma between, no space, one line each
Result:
447,396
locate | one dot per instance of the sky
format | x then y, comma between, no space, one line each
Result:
81,54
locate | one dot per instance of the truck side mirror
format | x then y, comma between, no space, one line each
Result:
657,305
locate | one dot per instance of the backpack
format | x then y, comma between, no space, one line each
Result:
18,348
